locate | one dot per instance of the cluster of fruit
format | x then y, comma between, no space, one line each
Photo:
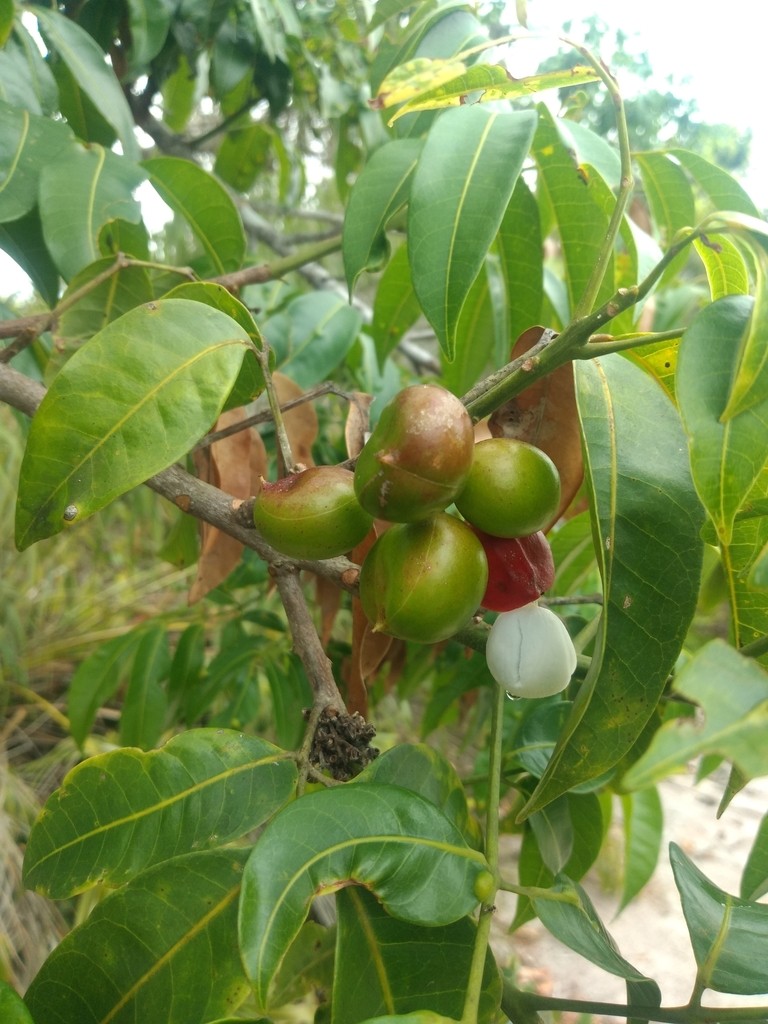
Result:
428,573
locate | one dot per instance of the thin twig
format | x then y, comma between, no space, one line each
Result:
193,496
283,441
265,416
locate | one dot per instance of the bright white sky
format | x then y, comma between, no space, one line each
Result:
716,48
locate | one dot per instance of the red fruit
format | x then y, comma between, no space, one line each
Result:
520,569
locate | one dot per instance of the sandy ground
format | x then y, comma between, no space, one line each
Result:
651,932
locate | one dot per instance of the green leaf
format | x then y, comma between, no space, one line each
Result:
580,219
120,236
389,966
669,194
574,555
386,9
458,198
97,679
6,20
750,383
724,265
163,948
518,244
569,915
726,457
588,827
395,307
145,704
83,189
729,935
179,91
754,878
643,821
188,661
27,144
311,336
81,114
723,191
121,812
275,20
117,293
82,55
291,693
155,381
732,692
26,81
427,21
308,965
250,380
475,338
379,192
421,769
748,601
243,154
378,836
591,150
487,81
149,21
12,1009
232,667
23,241
659,361
205,205
553,830
647,521
758,576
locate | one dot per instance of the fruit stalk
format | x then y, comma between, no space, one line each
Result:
482,936
286,462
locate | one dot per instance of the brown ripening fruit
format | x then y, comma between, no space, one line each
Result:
312,514
424,581
418,457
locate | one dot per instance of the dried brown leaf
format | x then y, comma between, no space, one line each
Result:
226,464
545,415
369,649
358,422
328,597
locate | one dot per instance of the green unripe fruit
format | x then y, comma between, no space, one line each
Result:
313,514
424,581
418,457
513,488
485,886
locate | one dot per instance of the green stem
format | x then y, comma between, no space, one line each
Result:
596,346
535,892
482,936
550,352
530,1001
